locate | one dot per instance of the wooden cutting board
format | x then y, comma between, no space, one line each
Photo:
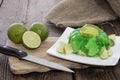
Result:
23,67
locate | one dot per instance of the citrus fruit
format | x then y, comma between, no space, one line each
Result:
64,48
105,54
15,32
31,40
61,48
40,29
89,31
68,49
112,39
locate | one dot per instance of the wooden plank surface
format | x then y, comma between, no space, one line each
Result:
94,74
52,75
36,12
8,12
29,11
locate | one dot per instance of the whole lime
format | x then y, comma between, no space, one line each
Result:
40,29
15,32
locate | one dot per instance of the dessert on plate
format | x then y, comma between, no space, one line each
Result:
90,41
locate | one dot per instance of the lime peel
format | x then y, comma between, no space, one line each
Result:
15,32
64,48
112,39
40,29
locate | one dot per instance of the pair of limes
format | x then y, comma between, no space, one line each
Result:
32,38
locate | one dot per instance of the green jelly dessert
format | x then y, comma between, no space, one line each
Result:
89,40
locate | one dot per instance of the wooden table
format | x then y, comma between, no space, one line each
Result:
29,11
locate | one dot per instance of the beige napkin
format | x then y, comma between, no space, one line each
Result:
23,67
115,4
75,13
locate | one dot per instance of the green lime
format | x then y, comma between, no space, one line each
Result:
31,40
68,48
105,54
61,48
64,48
112,39
15,32
40,29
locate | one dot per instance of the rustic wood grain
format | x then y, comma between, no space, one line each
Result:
36,12
29,11
116,72
1,1
8,12
95,74
11,12
5,73
52,75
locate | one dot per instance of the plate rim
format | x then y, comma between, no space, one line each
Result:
67,31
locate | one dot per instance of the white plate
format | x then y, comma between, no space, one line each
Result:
111,61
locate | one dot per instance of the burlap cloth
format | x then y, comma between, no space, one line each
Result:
115,4
76,13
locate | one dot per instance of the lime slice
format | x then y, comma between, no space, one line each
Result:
15,32
31,40
40,29
61,48
64,48
112,39
89,31
105,54
68,49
